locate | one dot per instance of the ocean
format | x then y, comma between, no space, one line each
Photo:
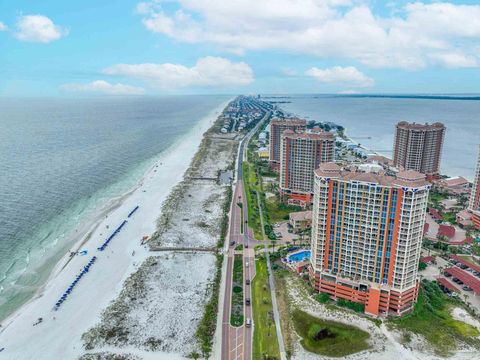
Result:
370,120
64,161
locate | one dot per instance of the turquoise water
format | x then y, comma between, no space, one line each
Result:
64,160
371,122
299,256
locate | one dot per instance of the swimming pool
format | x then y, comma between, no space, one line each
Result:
299,256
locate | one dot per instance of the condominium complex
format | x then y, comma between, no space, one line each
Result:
474,204
301,154
277,127
418,147
366,236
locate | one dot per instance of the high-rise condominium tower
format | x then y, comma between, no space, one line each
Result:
418,147
301,154
474,203
277,127
367,233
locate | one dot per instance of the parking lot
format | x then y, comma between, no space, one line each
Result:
459,274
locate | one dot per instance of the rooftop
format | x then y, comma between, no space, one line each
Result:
414,126
309,135
301,215
289,121
403,178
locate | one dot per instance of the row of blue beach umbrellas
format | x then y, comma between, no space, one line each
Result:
90,263
74,283
133,211
105,244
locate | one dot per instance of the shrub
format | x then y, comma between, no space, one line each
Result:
322,297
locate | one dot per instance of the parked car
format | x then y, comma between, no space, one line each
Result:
247,301
447,274
248,322
467,288
247,281
232,242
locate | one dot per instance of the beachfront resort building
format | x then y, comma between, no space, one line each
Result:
300,154
474,203
277,127
367,231
418,147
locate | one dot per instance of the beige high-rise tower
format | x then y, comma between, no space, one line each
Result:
277,127
367,231
418,147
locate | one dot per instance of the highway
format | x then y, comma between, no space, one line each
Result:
237,341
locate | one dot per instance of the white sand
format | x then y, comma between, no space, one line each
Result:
58,336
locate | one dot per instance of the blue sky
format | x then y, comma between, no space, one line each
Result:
64,48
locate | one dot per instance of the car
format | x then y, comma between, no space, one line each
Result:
246,264
246,246
232,242
247,281
447,274
248,323
247,301
467,288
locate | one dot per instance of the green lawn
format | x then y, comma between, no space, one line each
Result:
250,183
277,211
335,339
236,314
449,217
264,335
431,318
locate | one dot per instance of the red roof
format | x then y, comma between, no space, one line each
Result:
465,262
427,259
434,214
426,226
467,240
446,230
447,284
469,280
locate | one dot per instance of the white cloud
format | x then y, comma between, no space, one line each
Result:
409,39
208,71
38,28
348,92
341,75
104,87
455,60
3,27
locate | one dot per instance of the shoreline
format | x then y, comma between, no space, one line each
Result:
174,166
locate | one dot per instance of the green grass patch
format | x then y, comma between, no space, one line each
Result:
251,188
431,319
357,307
277,211
236,314
329,338
265,340
449,217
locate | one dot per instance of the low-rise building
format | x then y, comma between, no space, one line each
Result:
300,220
456,185
464,218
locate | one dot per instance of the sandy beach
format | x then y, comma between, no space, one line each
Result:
58,334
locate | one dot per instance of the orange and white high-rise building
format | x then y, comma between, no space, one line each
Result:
367,231
277,127
418,147
474,203
301,154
